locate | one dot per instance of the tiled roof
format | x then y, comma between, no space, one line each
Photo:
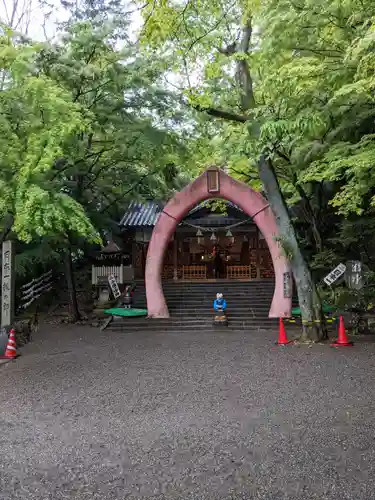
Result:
143,214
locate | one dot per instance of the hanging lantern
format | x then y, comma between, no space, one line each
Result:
245,238
213,237
230,236
199,236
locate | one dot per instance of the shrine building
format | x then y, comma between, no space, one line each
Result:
207,245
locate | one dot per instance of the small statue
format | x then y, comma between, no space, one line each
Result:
127,298
220,306
220,303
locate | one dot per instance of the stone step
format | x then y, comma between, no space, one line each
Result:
183,325
211,292
269,285
203,288
177,326
248,306
187,329
192,319
215,286
197,320
203,293
232,314
208,304
205,316
198,296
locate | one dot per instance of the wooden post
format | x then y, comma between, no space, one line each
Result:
7,285
70,282
175,258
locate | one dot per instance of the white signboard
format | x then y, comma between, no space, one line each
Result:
114,286
335,274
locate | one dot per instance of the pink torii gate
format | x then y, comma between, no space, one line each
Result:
214,183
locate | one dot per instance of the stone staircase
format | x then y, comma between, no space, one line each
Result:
190,306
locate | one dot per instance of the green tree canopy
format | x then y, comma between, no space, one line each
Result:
37,119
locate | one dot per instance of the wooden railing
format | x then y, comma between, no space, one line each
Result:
102,272
167,273
238,272
194,272
35,289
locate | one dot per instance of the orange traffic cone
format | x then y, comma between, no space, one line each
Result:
342,339
11,351
283,340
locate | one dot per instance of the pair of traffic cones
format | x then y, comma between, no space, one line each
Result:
11,349
342,339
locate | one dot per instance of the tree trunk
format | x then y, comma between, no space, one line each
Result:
309,301
73,303
309,215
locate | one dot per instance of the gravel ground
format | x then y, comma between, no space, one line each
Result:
95,415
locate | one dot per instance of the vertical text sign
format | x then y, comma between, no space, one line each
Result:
114,286
7,285
287,285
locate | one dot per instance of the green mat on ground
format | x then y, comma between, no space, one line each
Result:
120,311
296,311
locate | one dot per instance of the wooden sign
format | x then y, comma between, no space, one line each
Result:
354,274
7,285
213,181
335,274
114,286
287,282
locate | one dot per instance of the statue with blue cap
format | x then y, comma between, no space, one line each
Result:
220,306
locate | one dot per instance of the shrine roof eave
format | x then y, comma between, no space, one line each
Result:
142,215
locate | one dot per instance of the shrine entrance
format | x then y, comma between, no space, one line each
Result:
217,241
214,258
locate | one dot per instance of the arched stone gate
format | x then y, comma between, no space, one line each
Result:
214,183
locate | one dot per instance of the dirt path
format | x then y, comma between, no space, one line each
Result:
86,414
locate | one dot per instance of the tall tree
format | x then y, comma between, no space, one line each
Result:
37,120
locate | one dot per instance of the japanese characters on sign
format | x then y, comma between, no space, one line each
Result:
7,291
114,286
287,285
355,278
335,274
